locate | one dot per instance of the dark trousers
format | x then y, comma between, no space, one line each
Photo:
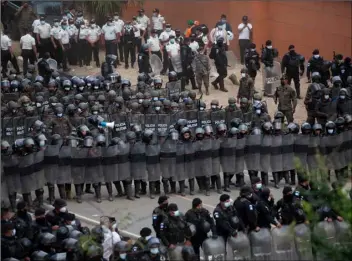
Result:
95,50
83,50
72,52
5,58
295,78
311,116
27,55
138,44
64,56
165,61
145,36
58,52
110,47
158,53
129,49
243,43
121,50
45,46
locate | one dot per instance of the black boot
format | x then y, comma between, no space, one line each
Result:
166,186
264,178
152,189
191,186
109,189
62,191
157,187
51,190
144,188
207,185
218,185
227,182
118,189
97,190
276,179
68,191
213,180
240,180
182,188
12,199
27,197
78,188
88,189
200,181
293,177
252,174
230,179
137,188
286,177
128,189
173,187
39,193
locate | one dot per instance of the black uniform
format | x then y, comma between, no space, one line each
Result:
285,209
129,45
159,215
172,230
315,65
252,62
247,212
186,62
294,64
268,56
143,63
9,247
218,54
44,70
264,208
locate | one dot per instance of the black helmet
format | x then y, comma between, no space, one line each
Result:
267,127
340,122
55,139
148,136
199,133
181,123
316,77
100,140
221,128
317,126
306,128
293,128
131,136
330,127
172,76
235,122
233,132
126,94
125,83
142,77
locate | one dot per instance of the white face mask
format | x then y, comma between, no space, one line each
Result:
168,29
73,223
53,104
330,131
243,75
342,97
116,18
316,56
213,106
253,50
258,186
326,97
258,111
14,232
96,87
269,47
63,209
67,88
227,204
93,25
155,98
95,112
81,88
154,251
114,226
108,23
123,256
82,26
56,24
201,108
140,100
38,105
157,108
42,22
59,115
148,237
176,213
79,110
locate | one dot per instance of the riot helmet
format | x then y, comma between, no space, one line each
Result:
214,104
293,128
256,131
186,134
88,141
267,128
192,95
100,140
306,128
343,94
317,129
316,77
147,136
158,83
172,76
199,133
221,129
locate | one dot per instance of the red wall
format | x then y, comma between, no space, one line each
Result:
306,24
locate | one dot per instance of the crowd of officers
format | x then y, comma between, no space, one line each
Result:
58,235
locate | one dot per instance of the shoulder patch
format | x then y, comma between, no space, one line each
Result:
161,226
250,207
216,215
140,57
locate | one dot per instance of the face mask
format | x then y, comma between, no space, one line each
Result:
214,106
123,256
243,75
93,25
42,22
63,209
172,41
108,23
14,111
201,108
220,27
128,27
56,24
13,232
81,88
326,97
316,56
64,27
80,18
269,47
116,18
95,112
227,204
253,50
79,110
96,87
176,213
155,14
223,20
53,104
59,115
258,111
148,237
168,29
155,99
73,223
140,101
38,105
82,26
342,97
330,131
154,251
258,186
67,88
157,108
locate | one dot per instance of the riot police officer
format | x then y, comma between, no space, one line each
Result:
252,61
8,240
159,213
56,216
186,61
153,252
268,54
287,99
325,109
246,209
218,54
264,208
246,89
143,60
200,217
315,64
313,96
141,244
285,208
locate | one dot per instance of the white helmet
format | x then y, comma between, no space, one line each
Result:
229,35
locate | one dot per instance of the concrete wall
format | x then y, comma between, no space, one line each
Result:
306,24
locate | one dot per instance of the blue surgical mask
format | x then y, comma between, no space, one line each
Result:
148,237
42,22
176,213
154,251
258,186
227,204
172,41
123,256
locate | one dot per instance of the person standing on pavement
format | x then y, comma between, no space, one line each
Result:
55,40
285,95
201,67
145,23
111,35
129,43
25,16
154,44
7,54
119,24
65,44
138,28
83,47
93,37
42,32
72,53
218,54
29,50
158,21
245,31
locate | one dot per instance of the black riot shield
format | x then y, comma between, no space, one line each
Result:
11,173
204,118
26,170
303,242
152,153
261,244
28,124
231,115
313,153
168,159
136,119
330,145
64,172
189,159
215,156
217,117
94,170
123,161
283,244
265,153
214,249
301,149
240,149
19,127
51,163
238,248
109,162
252,152
150,121
347,146
228,154
342,233
7,129
38,170
203,158
247,117
163,122
78,165
173,88
192,119
121,125
287,152
181,173
138,160
276,153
